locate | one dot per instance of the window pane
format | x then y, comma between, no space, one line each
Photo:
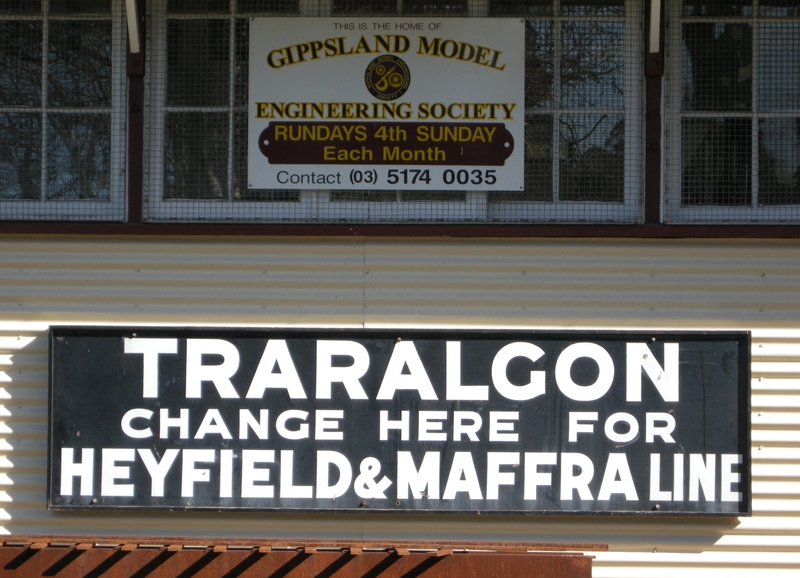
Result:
80,6
592,64
538,63
592,157
716,161
718,7
779,67
20,6
539,157
778,8
196,156
198,6
80,63
364,7
20,63
595,7
78,153
250,6
20,156
442,7
779,161
717,66
514,7
198,59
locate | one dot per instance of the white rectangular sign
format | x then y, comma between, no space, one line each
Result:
369,103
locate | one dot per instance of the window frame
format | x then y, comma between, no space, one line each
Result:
79,210
633,112
316,207
672,159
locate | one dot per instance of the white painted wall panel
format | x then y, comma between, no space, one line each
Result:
592,283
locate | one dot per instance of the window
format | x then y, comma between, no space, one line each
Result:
62,98
583,116
583,124
733,131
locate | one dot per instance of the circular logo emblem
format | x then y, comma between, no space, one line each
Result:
387,77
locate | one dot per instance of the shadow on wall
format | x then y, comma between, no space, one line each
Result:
23,429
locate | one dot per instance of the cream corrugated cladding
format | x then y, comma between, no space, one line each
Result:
580,284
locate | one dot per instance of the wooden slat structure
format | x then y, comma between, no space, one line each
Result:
125,557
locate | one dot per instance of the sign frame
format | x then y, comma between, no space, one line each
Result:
453,120
740,340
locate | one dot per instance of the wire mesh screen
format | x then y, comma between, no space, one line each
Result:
62,119
734,112
583,157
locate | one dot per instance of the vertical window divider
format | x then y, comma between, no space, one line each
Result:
155,86
653,91
231,95
754,68
135,70
45,104
556,100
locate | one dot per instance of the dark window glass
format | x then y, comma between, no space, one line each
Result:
80,6
716,161
80,63
364,7
197,6
592,160
779,161
78,157
252,6
196,156
593,7
592,64
779,8
20,63
718,7
442,8
717,66
20,156
539,157
20,6
519,7
779,67
198,62
538,63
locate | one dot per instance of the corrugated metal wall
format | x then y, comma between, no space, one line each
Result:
593,283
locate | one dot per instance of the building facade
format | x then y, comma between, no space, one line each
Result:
661,192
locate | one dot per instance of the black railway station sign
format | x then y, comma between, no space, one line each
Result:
400,420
